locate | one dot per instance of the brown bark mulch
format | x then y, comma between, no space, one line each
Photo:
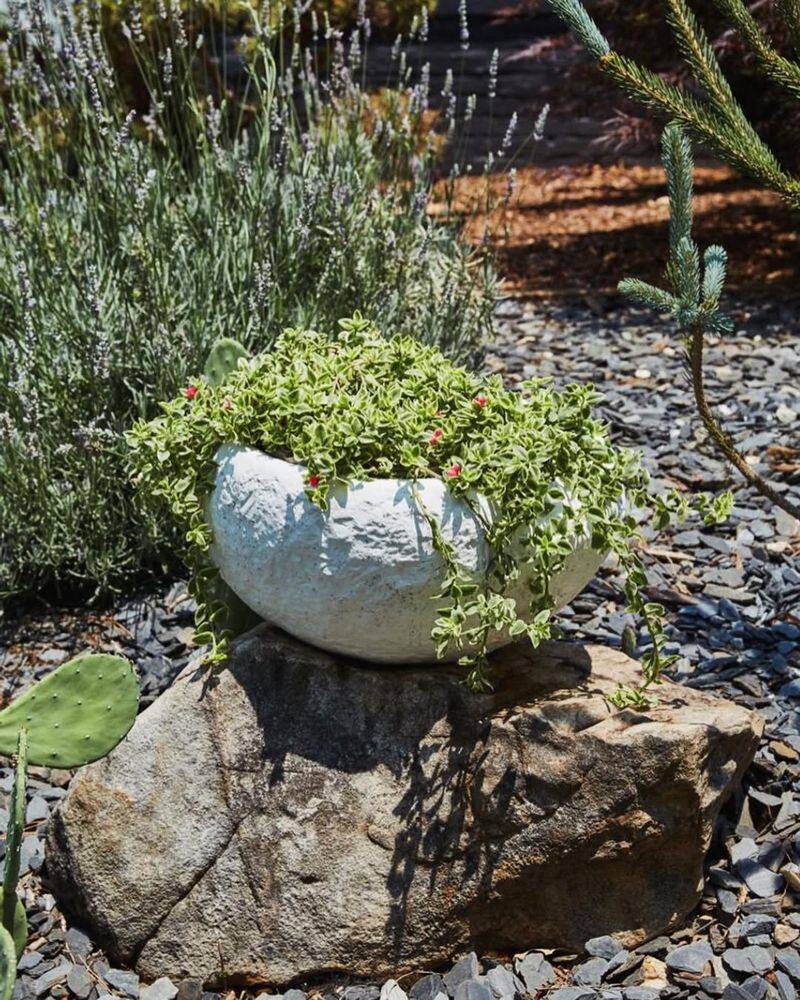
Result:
575,231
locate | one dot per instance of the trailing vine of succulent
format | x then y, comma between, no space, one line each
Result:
355,407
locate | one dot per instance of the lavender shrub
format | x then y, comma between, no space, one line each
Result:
131,239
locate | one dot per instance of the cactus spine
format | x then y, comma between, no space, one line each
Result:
223,358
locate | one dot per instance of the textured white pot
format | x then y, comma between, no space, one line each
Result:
360,578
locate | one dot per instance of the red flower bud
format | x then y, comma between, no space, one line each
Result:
190,391
436,437
480,401
453,471
313,482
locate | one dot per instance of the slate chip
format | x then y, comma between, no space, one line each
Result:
760,880
427,988
28,961
656,946
78,943
473,989
789,961
391,990
465,968
691,958
784,986
756,986
53,977
712,986
79,982
503,984
750,960
603,947
590,973
535,972
123,981
165,989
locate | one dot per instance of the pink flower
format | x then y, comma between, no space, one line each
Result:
480,401
313,482
190,391
453,471
436,437
227,404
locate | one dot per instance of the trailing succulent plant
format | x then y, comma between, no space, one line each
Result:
73,716
354,407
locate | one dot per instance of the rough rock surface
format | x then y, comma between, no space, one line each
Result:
307,815
361,578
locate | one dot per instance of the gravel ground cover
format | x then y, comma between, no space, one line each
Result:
733,599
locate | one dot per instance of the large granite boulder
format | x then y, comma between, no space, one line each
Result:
307,814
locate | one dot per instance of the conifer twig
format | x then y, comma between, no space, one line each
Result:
719,120
790,12
721,438
785,72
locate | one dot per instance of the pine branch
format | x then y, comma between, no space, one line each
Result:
648,295
719,122
693,300
575,15
698,53
745,150
785,72
676,155
790,12
696,49
718,435
715,261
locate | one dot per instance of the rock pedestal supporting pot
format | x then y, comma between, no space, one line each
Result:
361,578
307,815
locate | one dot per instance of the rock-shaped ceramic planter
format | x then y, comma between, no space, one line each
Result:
362,577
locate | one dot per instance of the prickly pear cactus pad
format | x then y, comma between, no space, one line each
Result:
8,965
223,358
76,714
15,831
20,936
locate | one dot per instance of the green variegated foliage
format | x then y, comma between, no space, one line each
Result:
353,406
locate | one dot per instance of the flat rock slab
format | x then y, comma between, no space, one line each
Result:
309,815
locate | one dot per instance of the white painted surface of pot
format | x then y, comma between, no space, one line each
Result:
360,578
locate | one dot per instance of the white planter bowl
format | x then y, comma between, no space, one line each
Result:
360,578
